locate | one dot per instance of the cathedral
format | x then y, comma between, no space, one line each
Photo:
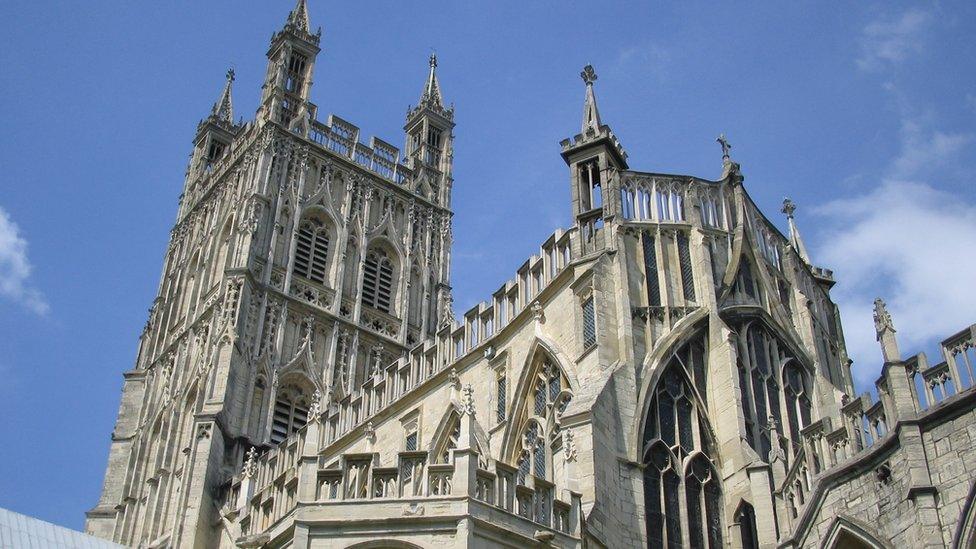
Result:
669,371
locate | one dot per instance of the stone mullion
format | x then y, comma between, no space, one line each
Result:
406,274
341,251
367,195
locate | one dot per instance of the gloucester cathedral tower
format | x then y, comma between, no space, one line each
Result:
669,371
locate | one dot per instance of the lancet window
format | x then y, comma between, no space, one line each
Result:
670,203
312,250
712,210
295,78
682,490
590,186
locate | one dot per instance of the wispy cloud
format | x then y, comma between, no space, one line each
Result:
921,148
15,268
651,58
908,242
890,40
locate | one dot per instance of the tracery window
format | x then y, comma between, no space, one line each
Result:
290,412
670,203
378,280
442,453
540,434
677,454
771,379
711,211
312,250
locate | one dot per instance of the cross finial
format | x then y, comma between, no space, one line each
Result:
230,75
433,60
725,145
588,75
788,208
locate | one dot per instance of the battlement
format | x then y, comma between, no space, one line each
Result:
342,138
908,391
294,475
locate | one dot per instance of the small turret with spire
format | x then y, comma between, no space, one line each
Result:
223,109
215,133
291,60
429,127
594,157
429,150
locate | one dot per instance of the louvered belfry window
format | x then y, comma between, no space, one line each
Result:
290,413
378,281
312,251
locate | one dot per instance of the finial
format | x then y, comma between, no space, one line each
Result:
725,146
433,60
588,75
788,207
591,115
230,74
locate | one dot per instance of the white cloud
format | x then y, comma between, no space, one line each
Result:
15,268
911,244
925,150
889,41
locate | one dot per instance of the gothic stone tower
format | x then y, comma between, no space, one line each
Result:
301,262
669,371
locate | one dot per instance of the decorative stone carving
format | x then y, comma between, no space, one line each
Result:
467,400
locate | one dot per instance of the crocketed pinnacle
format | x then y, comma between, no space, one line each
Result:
591,115
223,109
432,88
298,17
789,207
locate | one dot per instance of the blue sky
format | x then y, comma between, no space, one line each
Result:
863,113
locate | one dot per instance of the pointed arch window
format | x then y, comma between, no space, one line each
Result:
540,434
745,517
678,464
771,380
449,441
378,280
290,412
312,250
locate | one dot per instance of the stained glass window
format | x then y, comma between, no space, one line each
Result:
675,433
